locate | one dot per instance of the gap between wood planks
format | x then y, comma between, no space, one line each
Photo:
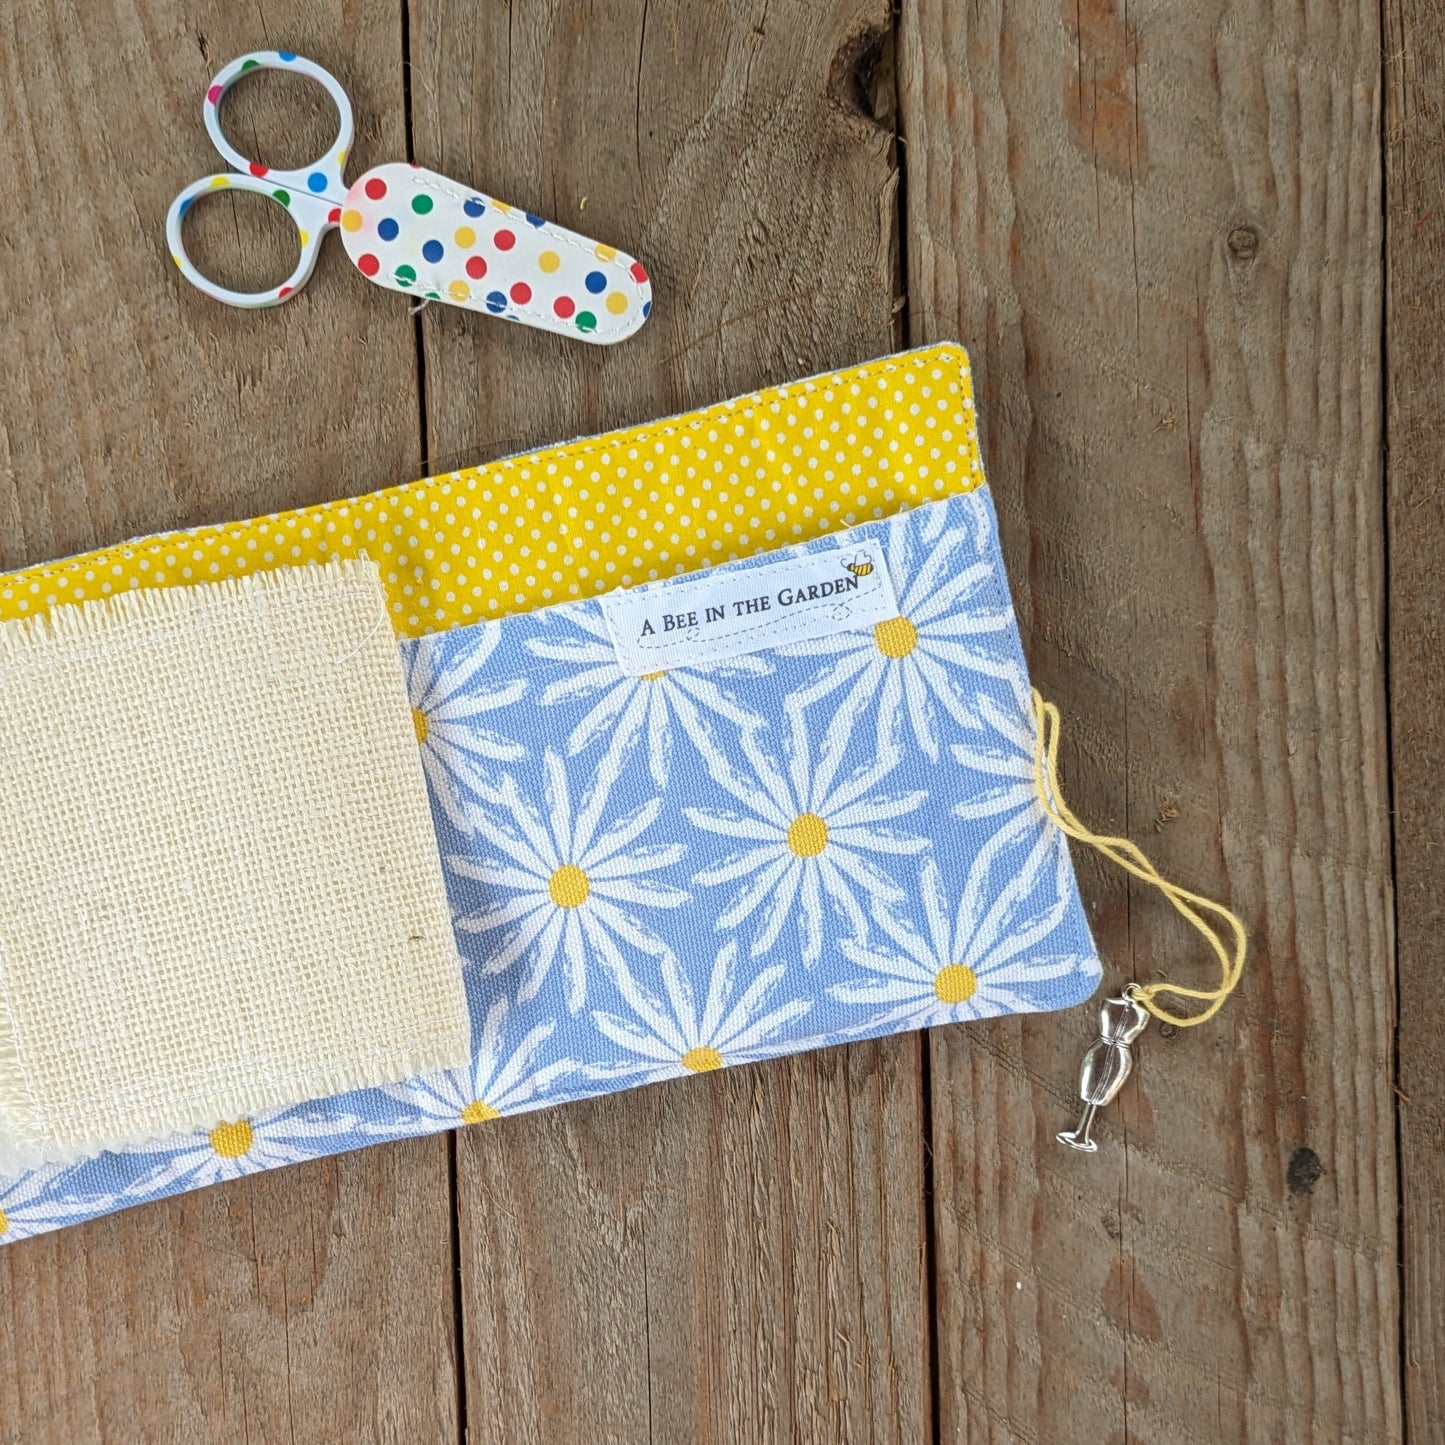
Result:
1402,1326
424,452
1411,137
885,62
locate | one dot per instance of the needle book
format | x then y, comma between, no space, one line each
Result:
706,741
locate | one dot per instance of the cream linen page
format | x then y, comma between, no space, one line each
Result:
219,886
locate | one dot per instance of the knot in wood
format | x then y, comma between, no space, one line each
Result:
1244,243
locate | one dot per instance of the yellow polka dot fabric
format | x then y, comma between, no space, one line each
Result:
783,465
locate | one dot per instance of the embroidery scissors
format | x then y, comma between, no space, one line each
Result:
414,231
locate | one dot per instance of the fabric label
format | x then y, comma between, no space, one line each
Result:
733,610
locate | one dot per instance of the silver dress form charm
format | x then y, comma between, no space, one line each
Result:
1106,1065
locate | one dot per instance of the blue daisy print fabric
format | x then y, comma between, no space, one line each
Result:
653,876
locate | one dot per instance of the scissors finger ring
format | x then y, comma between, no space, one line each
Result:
411,230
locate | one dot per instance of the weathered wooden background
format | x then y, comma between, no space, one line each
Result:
1164,230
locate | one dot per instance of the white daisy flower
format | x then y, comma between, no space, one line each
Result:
809,834
671,1038
240,1146
27,1208
627,707
975,968
567,882
495,1083
446,702
952,611
1006,755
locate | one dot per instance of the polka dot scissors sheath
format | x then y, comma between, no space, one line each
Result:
411,230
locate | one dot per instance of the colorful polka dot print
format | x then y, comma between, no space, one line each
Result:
784,465
409,229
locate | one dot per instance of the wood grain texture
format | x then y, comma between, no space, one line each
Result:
1415,260
738,1257
309,1304
701,137
730,1259
133,404
314,1303
1159,228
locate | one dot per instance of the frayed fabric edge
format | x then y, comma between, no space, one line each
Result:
23,1145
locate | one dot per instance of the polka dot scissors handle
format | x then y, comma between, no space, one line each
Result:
414,231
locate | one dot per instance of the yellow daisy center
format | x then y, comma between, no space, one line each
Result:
654,676
231,1141
419,722
4,1223
955,983
896,637
807,835
569,886
702,1060
480,1112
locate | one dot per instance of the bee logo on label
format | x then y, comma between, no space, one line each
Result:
860,566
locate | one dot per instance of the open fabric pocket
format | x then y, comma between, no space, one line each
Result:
733,812
654,874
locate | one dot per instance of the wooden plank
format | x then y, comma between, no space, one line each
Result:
710,144
1159,228
1415,250
738,1256
314,1303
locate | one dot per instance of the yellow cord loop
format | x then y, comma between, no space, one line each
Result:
1226,937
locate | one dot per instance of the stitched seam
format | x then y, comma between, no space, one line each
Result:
170,627
31,1129
794,613
665,644
83,648
338,1078
421,490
